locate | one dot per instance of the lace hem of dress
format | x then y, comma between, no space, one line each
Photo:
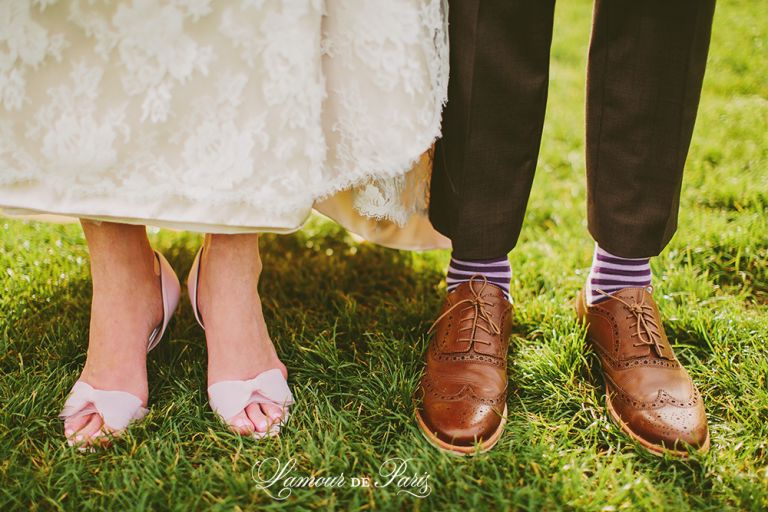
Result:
402,189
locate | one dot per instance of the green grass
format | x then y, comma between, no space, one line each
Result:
349,321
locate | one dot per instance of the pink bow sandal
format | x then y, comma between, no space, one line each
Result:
229,398
119,408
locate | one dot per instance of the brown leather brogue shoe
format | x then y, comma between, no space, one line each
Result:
464,387
647,392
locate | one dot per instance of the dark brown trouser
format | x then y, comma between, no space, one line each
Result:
646,65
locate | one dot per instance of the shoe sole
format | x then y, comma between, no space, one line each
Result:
459,450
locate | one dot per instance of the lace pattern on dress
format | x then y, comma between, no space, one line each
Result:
271,104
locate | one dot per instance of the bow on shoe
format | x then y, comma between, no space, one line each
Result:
230,397
116,408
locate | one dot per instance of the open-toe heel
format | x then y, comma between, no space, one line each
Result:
229,398
119,408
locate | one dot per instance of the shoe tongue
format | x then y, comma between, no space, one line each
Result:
632,294
634,349
631,351
468,317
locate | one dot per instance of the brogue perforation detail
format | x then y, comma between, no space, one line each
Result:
639,362
472,356
662,399
466,391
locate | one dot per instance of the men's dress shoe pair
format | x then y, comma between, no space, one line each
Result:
464,388
227,398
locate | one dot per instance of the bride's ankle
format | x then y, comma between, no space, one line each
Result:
137,270
236,252
127,299
230,268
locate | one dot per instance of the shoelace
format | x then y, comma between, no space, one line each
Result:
647,330
477,303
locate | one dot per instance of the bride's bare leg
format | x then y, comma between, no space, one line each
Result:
126,306
239,346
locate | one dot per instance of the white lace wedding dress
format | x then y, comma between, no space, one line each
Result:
223,116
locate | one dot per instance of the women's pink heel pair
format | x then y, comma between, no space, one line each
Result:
227,398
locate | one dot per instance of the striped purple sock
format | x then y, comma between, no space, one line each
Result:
611,273
497,271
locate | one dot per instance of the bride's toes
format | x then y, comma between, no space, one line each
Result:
83,430
73,426
257,417
241,424
274,413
